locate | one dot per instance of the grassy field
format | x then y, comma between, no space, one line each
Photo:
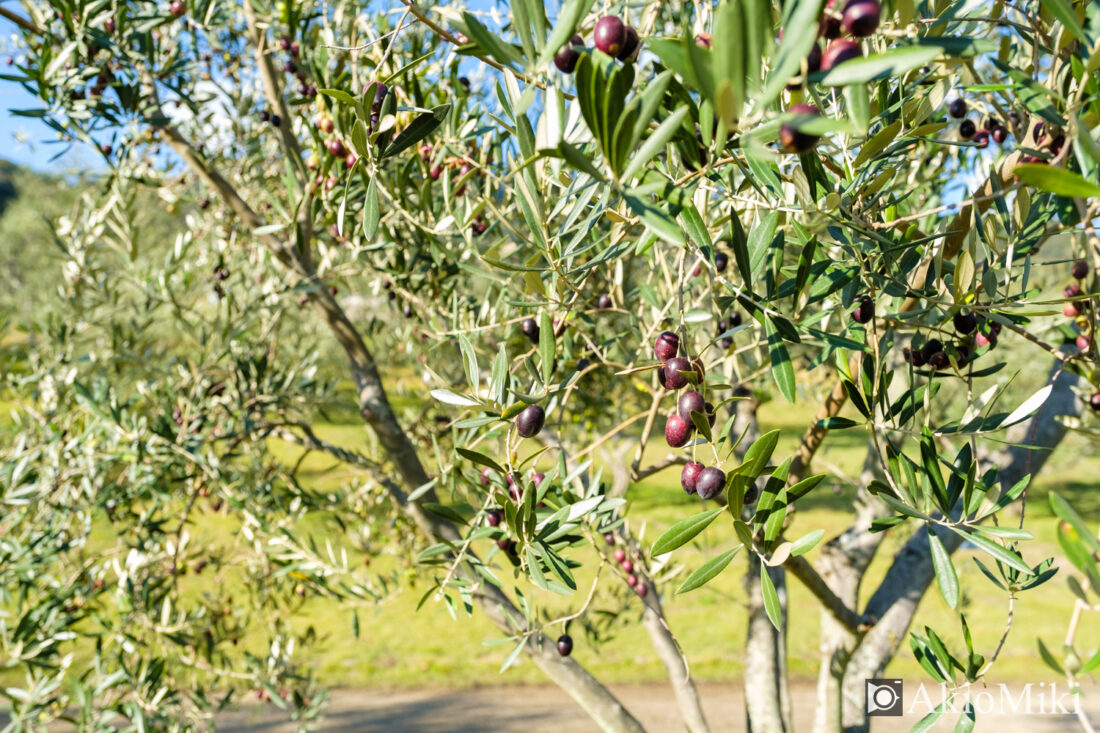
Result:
400,646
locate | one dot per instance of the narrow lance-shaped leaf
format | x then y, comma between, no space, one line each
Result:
684,531
655,142
946,578
424,125
771,599
782,369
708,571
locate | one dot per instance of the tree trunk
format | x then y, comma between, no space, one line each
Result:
767,696
656,623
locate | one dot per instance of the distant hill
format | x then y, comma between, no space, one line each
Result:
29,267
8,191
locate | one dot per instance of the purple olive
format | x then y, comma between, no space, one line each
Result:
861,17
609,35
838,52
529,422
667,346
675,372
677,431
711,480
690,476
690,401
865,311
965,322
791,138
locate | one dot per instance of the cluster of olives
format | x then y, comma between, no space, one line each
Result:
674,373
292,67
611,35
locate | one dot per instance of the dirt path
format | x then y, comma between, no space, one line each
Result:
544,709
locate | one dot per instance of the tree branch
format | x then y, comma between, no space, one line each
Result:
855,623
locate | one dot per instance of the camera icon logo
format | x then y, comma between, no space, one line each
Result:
884,697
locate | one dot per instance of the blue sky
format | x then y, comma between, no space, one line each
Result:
25,140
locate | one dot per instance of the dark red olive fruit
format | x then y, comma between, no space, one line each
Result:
1071,291
675,372
981,139
632,580
999,134
957,108
930,347
813,60
838,52
981,340
965,322
1038,131
1094,401
830,26
620,555
630,46
627,566
711,480
938,360
721,261
1069,310
565,645
537,478
530,329
603,302
609,538
529,422
380,92
865,311
494,517
566,59
791,138
690,475
336,147
609,35
486,476
661,377
1080,270
677,431
177,8
861,17
641,589
697,367
967,129
666,346
690,401
1083,342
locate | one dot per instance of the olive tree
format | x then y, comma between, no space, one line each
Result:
550,232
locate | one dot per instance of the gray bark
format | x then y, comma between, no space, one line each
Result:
656,625
670,654
767,696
